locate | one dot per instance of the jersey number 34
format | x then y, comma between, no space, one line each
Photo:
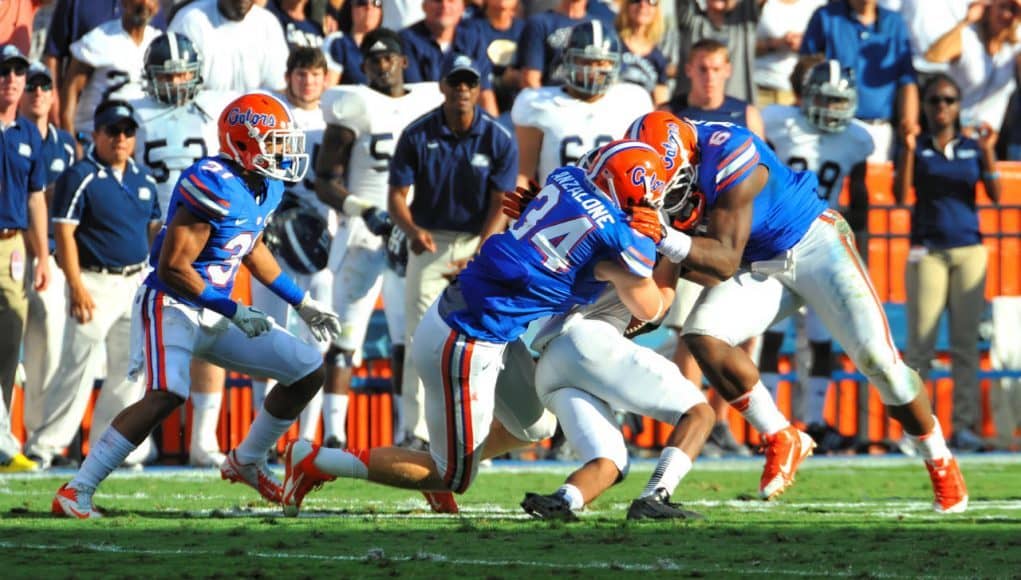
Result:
555,240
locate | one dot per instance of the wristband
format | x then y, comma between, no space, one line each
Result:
675,245
990,175
354,206
217,301
285,287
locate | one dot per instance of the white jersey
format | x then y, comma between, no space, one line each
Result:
236,56
116,63
802,146
571,127
170,139
312,122
377,121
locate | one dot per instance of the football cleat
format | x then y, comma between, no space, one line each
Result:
72,503
441,502
948,486
302,476
658,507
785,450
18,463
255,475
548,507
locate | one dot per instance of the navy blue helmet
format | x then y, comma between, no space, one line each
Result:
301,237
591,58
829,96
168,61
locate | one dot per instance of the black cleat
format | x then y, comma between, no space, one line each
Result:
658,507
548,507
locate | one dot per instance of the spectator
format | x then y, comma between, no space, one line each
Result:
298,29
22,211
709,71
105,214
400,14
947,262
640,27
778,39
984,53
106,62
242,45
343,56
501,32
441,33
545,36
16,19
872,42
47,309
460,161
927,20
732,23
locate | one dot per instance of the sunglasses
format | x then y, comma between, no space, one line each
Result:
44,87
469,79
19,70
649,2
376,3
113,131
936,100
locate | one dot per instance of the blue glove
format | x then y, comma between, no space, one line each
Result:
378,221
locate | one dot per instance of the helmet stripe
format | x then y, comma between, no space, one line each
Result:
834,72
597,33
174,54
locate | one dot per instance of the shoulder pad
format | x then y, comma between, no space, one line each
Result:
345,106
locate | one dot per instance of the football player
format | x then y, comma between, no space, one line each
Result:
555,126
822,136
306,77
363,125
571,243
184,309
176,128
772,245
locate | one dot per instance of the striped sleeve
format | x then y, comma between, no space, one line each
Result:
197,192
737,165
69,198
638,254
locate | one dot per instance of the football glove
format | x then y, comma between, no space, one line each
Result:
323,324
252,321
397,251
378,221
646,221
514,202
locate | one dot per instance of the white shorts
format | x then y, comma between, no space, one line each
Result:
684,301
320,288
464,386
166,335
827,274
362,274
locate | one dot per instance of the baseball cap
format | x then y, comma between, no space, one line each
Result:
112,112
455,62
381,40
38,69
10,52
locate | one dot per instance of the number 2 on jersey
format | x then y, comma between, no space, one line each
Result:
554,241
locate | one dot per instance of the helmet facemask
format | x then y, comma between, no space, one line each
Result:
591,71
281,154
829,102
167,90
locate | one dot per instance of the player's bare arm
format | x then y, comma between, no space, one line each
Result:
262,264
77,76
331,166
642,296
529,147
80,303
186,236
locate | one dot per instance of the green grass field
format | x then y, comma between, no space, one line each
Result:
858,517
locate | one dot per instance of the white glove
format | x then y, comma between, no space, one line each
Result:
325,325
252,321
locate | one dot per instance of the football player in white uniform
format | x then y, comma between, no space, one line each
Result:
177,127
306,81
555,126
363,125
107,64
820,134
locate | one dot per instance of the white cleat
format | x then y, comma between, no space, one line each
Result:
72,503
255,475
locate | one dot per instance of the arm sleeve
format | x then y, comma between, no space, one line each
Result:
638,255
532,46
69,197
402,164
37,173
199,193
734,165
902,47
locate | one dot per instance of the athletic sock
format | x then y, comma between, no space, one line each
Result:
673,465
760,410
106,455
932,445
308,421
335,416
343,462
573,496
205,417
262,435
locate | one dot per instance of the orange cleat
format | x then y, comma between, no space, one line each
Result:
255,475
948,486
72,503
302,476
785,450
441,502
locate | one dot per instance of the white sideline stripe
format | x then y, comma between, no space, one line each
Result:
375,554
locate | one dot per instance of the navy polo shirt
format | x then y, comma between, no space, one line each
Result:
733,110
21,172
57,152
343,50
425,57
112,216
454,176
879,54
944,215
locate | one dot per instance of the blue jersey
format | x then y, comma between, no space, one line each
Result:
213,191
544,264
786,206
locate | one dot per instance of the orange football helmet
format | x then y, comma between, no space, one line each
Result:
677,144
629,172
257,131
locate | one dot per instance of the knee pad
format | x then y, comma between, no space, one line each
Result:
543,428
